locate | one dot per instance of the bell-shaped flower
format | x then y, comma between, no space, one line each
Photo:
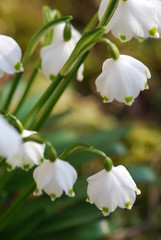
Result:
122,79
109,190
10,141
132,18
32,154
56,54
54,178
10,56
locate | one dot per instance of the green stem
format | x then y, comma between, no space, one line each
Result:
27,89
9,213
12,90
41,101
18,125
56,95
92,23
28,52
111,8
88,148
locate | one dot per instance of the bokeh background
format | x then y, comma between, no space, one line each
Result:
130,135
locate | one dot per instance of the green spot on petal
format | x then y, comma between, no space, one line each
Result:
106,99
146,85
36,191
9,167
105,209
52,196
18,66
122,37
26,166
71,192
52,77
88,198
153,31
128,204
129,99
42,159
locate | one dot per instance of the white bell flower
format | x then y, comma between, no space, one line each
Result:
122,79
56,54
10,56
10,141
54,178
132,18
32,154
109,190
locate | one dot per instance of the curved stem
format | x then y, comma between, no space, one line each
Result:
9,213
18,125
56,95
92,23
28,87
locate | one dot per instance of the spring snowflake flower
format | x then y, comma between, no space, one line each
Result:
109,190
54,178
122,79
56,54
10,56
132,18
32,154
10,141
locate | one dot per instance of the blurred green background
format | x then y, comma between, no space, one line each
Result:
130,135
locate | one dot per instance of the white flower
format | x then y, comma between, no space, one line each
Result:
132,18
10,56
32,154
109,190
10,141
157,4
122,79
56,54
54,177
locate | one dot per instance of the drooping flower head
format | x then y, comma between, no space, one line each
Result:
132,18
10,141
122,79
32,154
10,56
54,178
157,5
111,189
56,54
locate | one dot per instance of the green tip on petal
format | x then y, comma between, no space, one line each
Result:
106,99
122,37
26,166
52,196
36,191
9,167
88,198
71,192
153,32
105,210
52,77
128,204
128,100
146,85
18,67
42,159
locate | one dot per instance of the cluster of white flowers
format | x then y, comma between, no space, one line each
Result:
122,78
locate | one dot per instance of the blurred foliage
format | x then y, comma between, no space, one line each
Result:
130,135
